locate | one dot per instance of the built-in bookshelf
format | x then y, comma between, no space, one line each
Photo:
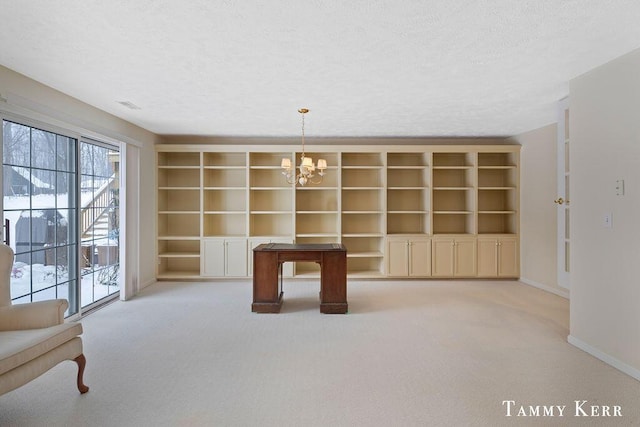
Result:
271,197
317,208
362,216
453,195
224,194
178,225
221,201
497,193
408,193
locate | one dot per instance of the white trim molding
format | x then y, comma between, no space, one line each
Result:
609,360
16,104
564,293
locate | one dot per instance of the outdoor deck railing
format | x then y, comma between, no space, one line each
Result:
94,209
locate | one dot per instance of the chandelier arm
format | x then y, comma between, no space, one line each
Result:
290,177
315,182
289,180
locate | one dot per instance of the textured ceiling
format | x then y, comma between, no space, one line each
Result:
363,67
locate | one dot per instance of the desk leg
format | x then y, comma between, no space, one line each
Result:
333,283
267,298
281,277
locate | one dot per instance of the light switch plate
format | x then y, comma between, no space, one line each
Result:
606,221
620,187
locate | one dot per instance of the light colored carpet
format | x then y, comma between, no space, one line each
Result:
408,353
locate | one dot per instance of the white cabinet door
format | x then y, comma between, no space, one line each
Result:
487,257
236,257
442,257
465,257
508,258
419,257
454,257
224,257
498,257
409,256
397,253
212,258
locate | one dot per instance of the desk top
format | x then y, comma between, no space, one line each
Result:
301,247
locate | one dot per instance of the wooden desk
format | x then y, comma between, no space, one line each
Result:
267,266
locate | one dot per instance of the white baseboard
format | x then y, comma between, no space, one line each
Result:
610,360
564,293
147,283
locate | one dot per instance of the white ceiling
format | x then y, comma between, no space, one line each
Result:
363,67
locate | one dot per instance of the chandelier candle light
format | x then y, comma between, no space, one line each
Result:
307,167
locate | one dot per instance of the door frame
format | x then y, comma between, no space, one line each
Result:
562,199
129,285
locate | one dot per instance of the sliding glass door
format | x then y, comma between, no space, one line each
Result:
40,212
61,215
99,221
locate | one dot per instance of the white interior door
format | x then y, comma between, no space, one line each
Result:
563,198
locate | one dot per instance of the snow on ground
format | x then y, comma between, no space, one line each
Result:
95,284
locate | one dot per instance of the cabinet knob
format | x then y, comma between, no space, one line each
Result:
559,200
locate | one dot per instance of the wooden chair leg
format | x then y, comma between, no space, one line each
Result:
81,361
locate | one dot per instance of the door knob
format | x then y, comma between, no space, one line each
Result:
559,200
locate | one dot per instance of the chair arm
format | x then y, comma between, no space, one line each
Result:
35,315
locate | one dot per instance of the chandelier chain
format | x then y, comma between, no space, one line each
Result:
302,112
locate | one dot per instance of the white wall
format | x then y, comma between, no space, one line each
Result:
605,275
24,97
147,216
538,225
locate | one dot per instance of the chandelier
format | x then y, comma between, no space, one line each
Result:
307,169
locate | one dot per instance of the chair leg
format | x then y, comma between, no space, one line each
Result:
81,361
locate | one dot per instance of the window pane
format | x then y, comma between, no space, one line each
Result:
22,237
16,183
62,264
66,161
86,159
72,224
42,231
86,190
43,184
43,149
62,190
45,294
16,144
21,279
100,163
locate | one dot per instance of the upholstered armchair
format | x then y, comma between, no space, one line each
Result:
34,337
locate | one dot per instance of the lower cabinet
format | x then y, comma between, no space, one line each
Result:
224,257
453,256
498,256
408,256
287,267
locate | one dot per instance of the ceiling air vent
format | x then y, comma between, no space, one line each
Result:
129,105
